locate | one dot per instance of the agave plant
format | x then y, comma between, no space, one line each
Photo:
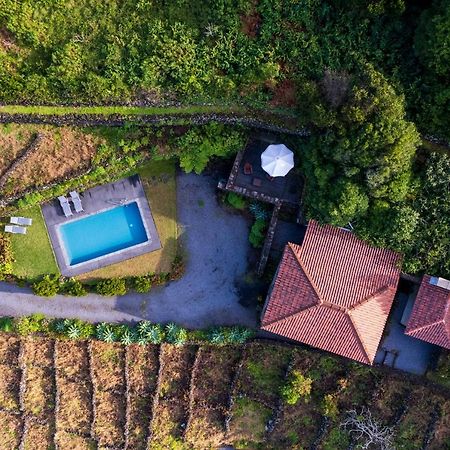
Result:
238,335
73,331
59,326
155,334
258,211
144,327
128,336
217,336
176,335
105,332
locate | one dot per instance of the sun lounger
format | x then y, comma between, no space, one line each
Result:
21,221
15,229
76,200
65,206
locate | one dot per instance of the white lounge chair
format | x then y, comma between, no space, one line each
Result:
76,200
65,205
21,221
15,229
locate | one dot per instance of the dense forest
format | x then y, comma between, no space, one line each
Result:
369,78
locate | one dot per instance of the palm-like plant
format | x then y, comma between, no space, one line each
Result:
175,335
258,211
73,331
59,326
128,336
105,332
155,334
217,336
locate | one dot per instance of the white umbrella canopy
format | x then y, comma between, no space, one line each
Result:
277,160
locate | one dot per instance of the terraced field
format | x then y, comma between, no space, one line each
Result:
77,395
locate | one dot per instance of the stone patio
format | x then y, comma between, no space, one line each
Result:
98,199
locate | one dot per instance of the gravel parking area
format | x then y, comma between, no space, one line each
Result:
215,242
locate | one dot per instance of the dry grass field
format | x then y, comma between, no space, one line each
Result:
79,395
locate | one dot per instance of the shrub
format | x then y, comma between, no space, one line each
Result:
297,386
32,324
236,201
142,284
217,336
257,234
48,286
106,332
112,286
74,288
6,324
6,255
259,211
239,335
76,328
330,406
175,334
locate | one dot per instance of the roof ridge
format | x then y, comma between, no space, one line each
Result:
289,316
428,325
377,293
361,341
305,271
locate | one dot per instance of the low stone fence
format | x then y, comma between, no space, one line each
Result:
32,145
117,120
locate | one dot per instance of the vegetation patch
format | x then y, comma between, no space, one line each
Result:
68,440
33,254
248,422
10,430
108,366
9,388
38,435
39,394
171,414
109,420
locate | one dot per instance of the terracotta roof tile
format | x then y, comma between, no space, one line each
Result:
334,292
430,316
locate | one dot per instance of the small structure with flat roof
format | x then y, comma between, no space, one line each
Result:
430,315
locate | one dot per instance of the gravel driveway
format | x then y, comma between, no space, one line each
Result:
216,245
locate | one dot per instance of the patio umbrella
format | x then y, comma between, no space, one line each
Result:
277,160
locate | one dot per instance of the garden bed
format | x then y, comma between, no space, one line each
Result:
108,366
171,414
38,435
10,430
215,369
66,440
142,373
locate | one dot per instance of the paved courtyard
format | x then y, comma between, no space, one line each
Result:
215,242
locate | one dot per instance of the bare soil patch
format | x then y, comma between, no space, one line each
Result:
109,420
63,150
442,430
38,436
38,351
67,440
10,430
9,387
142,363
284,94
250,22
9,349
75,409
72,359
108,365
139,412
170,417
39,392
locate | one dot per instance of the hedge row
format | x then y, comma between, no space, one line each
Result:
142,333
50,285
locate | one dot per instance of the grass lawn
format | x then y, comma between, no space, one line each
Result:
158,179
32,252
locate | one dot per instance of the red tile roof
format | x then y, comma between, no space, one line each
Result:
430,316
333,292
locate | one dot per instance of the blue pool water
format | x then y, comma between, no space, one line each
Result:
103,233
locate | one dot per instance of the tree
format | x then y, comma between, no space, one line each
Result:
364,154
368,431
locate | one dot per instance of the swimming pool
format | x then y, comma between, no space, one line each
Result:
103,233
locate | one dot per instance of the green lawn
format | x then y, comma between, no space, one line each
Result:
158,179
123,110
33,253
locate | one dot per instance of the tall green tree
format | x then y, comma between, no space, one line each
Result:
361,154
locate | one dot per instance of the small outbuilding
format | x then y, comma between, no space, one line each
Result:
430,315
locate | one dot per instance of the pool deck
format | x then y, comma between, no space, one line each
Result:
96,200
